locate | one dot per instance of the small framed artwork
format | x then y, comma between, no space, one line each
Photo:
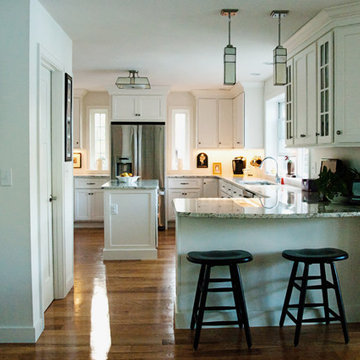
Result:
217,169
68,117
77,160
202,160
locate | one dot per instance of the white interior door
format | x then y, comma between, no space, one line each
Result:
45,189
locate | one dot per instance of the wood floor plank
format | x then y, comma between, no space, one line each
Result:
124,310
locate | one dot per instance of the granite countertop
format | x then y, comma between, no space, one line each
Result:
140,185
281,201
93,176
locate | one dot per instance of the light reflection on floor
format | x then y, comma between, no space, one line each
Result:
100,336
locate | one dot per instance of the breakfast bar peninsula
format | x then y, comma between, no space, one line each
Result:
275,220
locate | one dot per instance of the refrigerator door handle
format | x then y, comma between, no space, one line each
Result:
139,142
134,149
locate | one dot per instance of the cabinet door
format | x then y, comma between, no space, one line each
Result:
82,205
347,80
305,90
225,123
97,205
124,108
173,194
149,107
325,89
238,121
289,121
210,188
207,124
77,123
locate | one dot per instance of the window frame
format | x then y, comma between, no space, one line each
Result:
91,110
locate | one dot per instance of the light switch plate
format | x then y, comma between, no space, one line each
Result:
114,209
6,177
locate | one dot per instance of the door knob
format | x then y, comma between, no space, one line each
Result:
52,198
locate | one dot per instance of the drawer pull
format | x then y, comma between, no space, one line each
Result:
90,183
184,183
302,135
90,193
183,193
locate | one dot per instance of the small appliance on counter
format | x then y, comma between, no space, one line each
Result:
239,164
355,198
309,185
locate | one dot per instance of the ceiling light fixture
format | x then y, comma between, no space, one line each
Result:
229,52
280,53
133,81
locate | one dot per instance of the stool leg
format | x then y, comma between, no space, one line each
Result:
301,304
339,302
324,292
288,293
236,295
236,277
200,316
197,297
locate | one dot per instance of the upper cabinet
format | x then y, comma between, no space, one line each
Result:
322,101
139,108
221,122
347,84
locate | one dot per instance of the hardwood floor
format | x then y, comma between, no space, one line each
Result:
124,310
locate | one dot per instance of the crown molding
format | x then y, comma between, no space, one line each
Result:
323,22
80,92
219,93
155,90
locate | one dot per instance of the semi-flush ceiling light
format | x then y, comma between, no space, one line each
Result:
229,52
280,53
133,81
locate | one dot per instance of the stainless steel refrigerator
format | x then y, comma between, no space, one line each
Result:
140,150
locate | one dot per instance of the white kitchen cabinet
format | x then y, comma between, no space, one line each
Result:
141,108
225,118
325,88
289,121
89,205
207,123
347,80
180,194
77,123
238,121
210,188
305,96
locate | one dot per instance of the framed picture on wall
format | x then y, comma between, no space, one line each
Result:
68,117
202,160
217,169
77,160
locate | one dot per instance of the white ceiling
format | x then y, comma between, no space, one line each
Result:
174,42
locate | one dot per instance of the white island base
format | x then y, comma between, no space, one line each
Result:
265,278
130,220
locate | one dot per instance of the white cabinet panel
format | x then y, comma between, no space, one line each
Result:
210,188
124,107
289,122
180,194
150,107
225,123
238,121
305,90
207,124
82,205
347,80
97,205
77,123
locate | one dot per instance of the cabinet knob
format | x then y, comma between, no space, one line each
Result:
199,142
90,193
317,134
137,114
339,132
220,142
302,135
238,142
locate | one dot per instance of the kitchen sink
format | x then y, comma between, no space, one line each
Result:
258,182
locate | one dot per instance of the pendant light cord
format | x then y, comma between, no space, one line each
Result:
279,30
229,28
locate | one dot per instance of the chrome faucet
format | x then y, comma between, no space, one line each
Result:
277,178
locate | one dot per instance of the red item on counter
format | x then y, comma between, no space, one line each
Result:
282,181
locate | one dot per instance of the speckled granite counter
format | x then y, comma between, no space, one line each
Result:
140,185
93,176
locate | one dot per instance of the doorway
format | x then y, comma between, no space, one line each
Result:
45,188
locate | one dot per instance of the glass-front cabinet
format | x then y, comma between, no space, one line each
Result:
289,121
325,89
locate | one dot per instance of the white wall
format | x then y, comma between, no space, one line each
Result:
26,27
92,99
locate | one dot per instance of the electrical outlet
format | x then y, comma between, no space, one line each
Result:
114,209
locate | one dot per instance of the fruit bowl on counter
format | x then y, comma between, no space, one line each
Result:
128,178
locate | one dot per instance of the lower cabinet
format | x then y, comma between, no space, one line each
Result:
89,205
178,194
210,188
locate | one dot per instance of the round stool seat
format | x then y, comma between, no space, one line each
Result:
322,255
218,257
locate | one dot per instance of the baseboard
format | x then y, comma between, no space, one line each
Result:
130,254
21,334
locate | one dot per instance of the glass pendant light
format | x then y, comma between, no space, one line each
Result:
280,53
133,81
229,52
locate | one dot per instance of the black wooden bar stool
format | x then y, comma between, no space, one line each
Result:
209,259
309,257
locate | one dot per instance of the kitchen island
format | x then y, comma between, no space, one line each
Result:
130,220
264,226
